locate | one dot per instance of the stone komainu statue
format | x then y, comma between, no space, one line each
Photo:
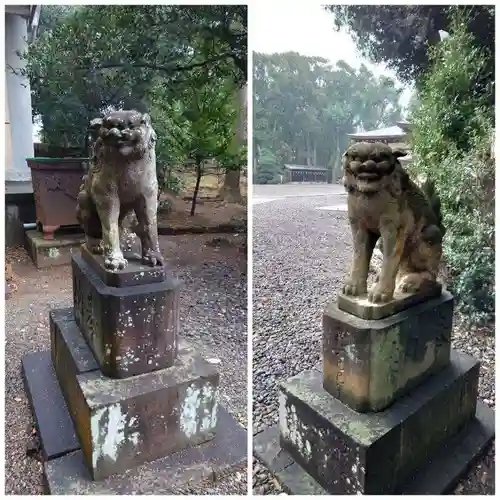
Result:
120,190
383,202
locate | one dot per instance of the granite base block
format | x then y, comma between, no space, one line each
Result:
362,307
374,453
135,272
68,475
438,476
122,423
66,471
56,252
55,429
130,329
369,364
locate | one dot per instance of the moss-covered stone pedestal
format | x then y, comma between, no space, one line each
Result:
118,396
368,364
393,409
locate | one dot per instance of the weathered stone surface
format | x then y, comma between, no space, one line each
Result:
56,252
71,356
131,330
68,475
438,476
70,353
123,423
292,477
135,273
53,422
348,452
384,203
121,181
368,364
362,307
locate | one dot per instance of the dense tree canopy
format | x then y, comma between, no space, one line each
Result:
400,35
304,108
88,59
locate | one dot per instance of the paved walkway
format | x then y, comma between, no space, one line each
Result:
266,193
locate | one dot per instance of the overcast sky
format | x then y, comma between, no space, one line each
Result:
309,30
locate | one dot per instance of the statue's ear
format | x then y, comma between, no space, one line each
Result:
345,160
94,127
95,123
398,153
152,137
404,178
146,119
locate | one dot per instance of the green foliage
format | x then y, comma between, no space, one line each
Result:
92,58
269,170
197,124
304,109
194,125
400,35
453,129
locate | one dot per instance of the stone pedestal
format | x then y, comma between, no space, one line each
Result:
129,318
124,394
394,409
123,423
368,364
351,452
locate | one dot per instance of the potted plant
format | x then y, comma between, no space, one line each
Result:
56,183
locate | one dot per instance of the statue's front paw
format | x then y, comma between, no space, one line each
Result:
115,261
94,245
413,283
380,294
354,288
152,258
410,286
96,248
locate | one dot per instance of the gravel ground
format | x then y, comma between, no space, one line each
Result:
213,317
300,255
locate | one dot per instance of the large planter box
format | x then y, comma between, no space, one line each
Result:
56,183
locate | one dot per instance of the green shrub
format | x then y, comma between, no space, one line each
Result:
451,141
267,170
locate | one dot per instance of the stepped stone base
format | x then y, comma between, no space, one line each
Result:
66,472
68,475
422,443
123,423
437,477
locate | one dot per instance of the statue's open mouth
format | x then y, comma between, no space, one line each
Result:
368,176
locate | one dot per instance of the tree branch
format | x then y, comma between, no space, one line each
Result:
155,67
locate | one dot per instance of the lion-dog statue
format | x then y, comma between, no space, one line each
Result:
383,202
120,191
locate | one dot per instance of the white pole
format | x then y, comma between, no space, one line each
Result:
18,100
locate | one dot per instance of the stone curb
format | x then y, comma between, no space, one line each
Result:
219,228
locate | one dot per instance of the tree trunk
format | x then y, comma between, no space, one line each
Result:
230,191
255,163
308,149
197,186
